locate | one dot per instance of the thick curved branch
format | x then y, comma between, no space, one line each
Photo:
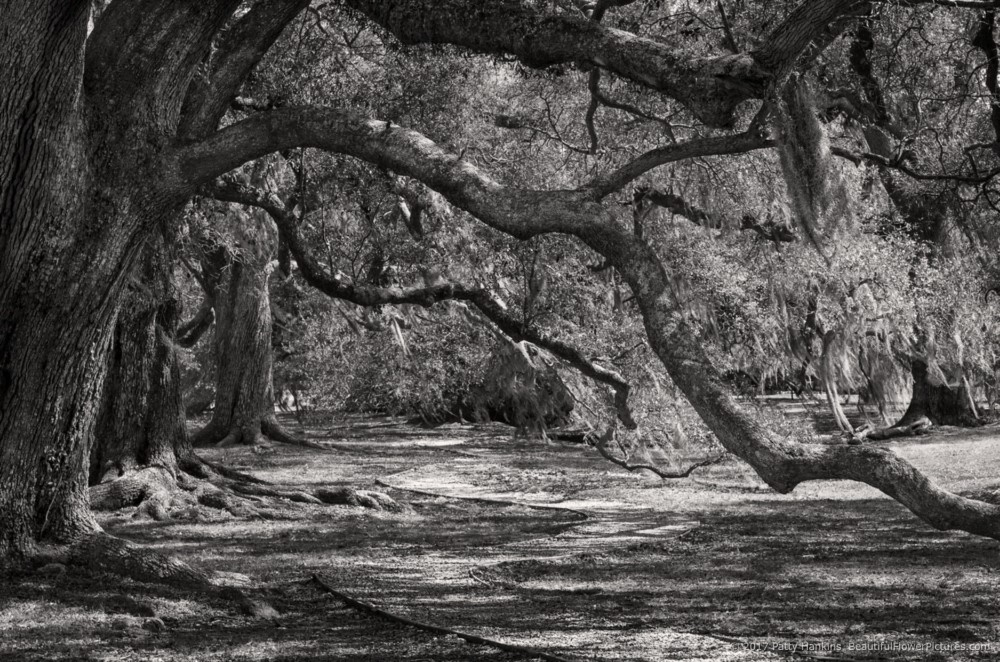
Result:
681,207
740,143
522,213
410,153
369,295
238,51
781,462
676,205
710,87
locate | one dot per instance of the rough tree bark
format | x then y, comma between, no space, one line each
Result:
50,355
141,430
87,172
82,177
244,398
523,213
142,456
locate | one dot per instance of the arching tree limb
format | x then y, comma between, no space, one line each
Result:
748,141
238,51
367,295
711,87
782,463
190,332
409,152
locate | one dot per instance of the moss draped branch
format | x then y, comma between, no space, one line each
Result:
781,462
369,295
711,87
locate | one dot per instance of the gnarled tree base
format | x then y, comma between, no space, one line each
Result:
221,435
103,553
157,493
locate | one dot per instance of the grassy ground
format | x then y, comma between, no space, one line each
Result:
713,567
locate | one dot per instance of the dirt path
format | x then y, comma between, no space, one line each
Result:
707,568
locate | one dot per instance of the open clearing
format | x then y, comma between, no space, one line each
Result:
616,566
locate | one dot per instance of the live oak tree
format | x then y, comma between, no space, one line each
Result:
239,288
105,134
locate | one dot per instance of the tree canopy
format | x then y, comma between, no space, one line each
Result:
801,193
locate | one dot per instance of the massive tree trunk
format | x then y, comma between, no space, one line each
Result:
244,398
64,252
781,462
86,170
141,432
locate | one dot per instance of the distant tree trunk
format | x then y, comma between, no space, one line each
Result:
142,455
141,432
830,382
941,404
244,398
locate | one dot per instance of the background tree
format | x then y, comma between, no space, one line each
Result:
121,127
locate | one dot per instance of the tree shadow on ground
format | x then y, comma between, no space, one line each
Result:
630,583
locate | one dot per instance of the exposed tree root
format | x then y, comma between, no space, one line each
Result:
354,603
273,430
600,445
922,425
222,436
160,494
665,475
103,553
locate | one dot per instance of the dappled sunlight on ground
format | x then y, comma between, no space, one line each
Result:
544,545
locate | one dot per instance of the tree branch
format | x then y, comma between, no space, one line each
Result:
189,333
895,164
710,87
238,51
748,141
522,213
781,462
681,207
638,112
367,295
